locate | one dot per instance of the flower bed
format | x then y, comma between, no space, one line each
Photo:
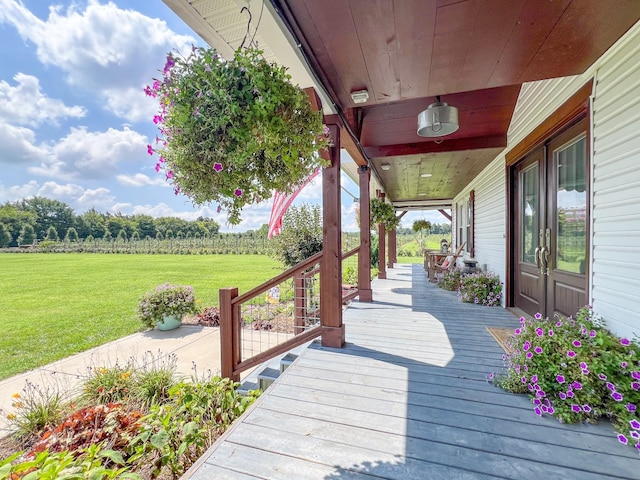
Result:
576,370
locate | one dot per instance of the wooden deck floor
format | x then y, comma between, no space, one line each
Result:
407,398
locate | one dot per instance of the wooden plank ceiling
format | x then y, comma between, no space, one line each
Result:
475,54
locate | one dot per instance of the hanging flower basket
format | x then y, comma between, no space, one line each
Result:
381,212
232,131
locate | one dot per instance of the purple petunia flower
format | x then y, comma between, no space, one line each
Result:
592,333
617,396
635,386
217,167
635,375
237,192
635,424
631,407
602,376
634,434
523,379
538,411
577,385
538,350
558,324
526,346
577,343
560,378
551,333
624,341
550,410
491,375
534,379
586,408
149,149
562,395
576,408
623,364
622,439
539,331
611,386
517,331
157,167
538,316
583,365
569,394
529,354
537,401
571,354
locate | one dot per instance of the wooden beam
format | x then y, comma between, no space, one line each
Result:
454,145
331,267
314,99
382,236
393,251
445,214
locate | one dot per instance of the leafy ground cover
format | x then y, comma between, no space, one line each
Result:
127,422
91,299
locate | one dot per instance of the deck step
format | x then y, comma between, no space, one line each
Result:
266,377
266,374
286,361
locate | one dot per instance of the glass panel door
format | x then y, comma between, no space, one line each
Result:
529,209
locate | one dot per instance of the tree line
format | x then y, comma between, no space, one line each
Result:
37,219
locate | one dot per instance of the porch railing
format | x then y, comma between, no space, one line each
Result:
271,319
278,315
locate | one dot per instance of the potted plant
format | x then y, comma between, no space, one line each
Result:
165,306
233,130
381,212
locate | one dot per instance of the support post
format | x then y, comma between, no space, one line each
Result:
365,294
229,334
393,256
382,251
331,267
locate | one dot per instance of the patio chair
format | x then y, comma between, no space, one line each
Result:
438,269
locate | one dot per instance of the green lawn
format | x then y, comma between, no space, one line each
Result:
55,305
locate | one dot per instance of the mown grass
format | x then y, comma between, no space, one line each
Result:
53,306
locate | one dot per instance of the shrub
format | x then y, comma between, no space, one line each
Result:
576,370
481,288
210,317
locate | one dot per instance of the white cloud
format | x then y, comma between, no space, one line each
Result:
92,155
102,48
18,145
18,192
141,180
25,104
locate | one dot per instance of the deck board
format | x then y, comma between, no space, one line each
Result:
407,398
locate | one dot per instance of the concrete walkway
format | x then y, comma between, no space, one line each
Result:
191,345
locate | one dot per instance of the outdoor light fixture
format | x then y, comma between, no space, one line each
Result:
385,166
438,120
360,96
425,175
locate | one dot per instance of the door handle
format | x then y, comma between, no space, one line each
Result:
537,255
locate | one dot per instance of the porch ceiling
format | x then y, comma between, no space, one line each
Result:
475,54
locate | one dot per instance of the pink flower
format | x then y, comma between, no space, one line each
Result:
149,149
624,341
237,192
217,167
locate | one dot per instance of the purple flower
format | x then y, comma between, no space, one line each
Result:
623,364
551,333
534,379
571,353
635,424
583,365
217,167
576,408
634,434
624,341
169,174
157,119
558,324
611,386
237,192
538,350
592,333
537,401
196,112
577,385
538,316
635,386
539,331
622,439
562,395
617,396
526,346
538,411
560,378
569,394
635,375
523,379
219,209
529,354
157,167
550,410
602,376
491,375
631,407
586,408
577,343
149,149
517,331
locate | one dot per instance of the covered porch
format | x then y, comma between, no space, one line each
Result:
408,398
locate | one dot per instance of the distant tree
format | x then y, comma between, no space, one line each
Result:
27,235
14,219
145,225
5,236
49,213
91,223
301,235
420,226
52,234
72,235
122,236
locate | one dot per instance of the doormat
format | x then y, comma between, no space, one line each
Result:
501,335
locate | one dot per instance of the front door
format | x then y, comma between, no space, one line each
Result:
551,216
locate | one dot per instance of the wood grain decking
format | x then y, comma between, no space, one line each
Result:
407,398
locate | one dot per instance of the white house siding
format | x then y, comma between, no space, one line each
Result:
615,209
615,253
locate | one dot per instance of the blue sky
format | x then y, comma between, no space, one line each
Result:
74,121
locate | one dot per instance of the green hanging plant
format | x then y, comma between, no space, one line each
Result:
232,131
382,212
420,225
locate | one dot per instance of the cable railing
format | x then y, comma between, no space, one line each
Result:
350,275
